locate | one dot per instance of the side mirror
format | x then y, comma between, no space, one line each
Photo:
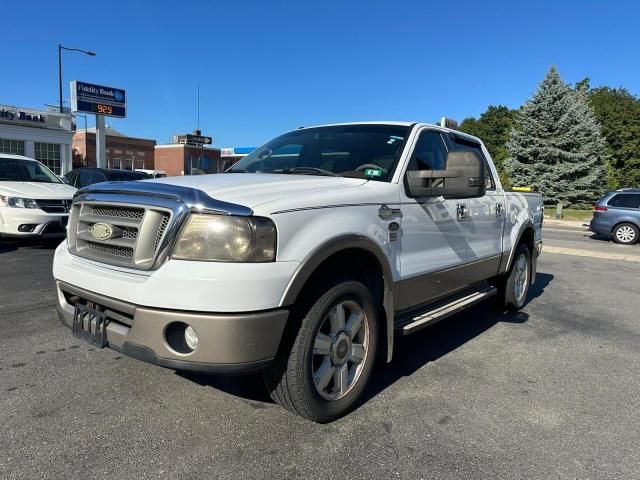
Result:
463,178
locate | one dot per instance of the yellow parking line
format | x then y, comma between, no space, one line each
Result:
590,253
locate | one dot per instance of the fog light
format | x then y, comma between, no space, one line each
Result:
27,227
191,337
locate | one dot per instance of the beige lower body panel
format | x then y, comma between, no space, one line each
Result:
228,343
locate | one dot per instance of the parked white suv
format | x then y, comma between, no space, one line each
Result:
34,202
304,261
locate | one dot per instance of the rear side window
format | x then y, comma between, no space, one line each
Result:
625,200
461,143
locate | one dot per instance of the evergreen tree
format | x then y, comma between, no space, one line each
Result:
556,145
493,128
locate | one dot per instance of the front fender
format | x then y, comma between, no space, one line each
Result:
307,239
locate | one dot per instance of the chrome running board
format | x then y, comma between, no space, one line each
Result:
411,323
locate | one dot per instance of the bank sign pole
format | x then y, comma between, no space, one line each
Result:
103,102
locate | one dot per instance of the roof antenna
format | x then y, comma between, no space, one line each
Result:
198,105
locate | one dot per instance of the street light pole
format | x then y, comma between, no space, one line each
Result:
60,74
60,48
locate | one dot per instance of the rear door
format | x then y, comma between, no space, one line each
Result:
628,205
434,239
485,220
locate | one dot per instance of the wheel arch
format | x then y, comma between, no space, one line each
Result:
355,254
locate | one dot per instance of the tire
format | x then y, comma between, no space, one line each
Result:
625,234
306,376
515,285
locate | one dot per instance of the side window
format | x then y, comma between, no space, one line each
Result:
460,144
97,177
84,179
625,200
71,178
429,153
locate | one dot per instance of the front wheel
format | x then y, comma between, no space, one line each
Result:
323,370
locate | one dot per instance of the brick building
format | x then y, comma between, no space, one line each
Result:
182,158
127,153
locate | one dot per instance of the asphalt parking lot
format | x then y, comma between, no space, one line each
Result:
550,392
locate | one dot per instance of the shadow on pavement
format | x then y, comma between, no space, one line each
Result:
11,244
599,237
410,353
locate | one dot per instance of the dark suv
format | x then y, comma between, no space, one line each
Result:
83,177
617,216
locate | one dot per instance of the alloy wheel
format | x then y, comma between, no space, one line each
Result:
521,273
625,234
340,350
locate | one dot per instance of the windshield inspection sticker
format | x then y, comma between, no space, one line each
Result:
373,172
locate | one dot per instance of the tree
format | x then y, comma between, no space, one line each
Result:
618,112
493,127
556,145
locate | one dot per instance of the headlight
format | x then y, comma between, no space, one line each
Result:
17,202
222,238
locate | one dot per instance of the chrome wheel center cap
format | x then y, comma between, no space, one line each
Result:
340,349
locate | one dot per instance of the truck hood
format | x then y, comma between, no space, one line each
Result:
253,189
37,190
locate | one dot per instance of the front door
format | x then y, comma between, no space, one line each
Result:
434,239
485,222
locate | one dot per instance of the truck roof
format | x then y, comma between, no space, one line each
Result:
404,124
16,157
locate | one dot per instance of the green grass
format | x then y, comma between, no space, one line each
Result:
569,214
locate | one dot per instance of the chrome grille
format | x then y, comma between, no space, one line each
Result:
114,250
118,212
130,232
126,235
54,206
163,227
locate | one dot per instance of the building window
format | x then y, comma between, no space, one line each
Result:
49,155
128,164
116,163
140,163
15,147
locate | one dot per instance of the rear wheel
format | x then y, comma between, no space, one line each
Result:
625,233
514,286
324,368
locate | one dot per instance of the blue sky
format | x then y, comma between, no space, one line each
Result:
265,67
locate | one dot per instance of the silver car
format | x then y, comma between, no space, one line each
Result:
617,216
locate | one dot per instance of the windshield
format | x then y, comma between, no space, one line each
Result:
17,170
361,151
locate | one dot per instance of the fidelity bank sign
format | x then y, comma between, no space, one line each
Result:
20,116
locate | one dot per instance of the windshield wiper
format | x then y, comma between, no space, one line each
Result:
308,171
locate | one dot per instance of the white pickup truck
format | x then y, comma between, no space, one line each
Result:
304,260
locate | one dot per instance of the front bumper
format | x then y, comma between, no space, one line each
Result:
47,225
228,342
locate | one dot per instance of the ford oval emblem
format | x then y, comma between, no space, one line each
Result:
101,231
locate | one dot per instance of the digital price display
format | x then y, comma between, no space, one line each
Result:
98,99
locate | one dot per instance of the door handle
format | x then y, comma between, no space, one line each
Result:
462,211
498,209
